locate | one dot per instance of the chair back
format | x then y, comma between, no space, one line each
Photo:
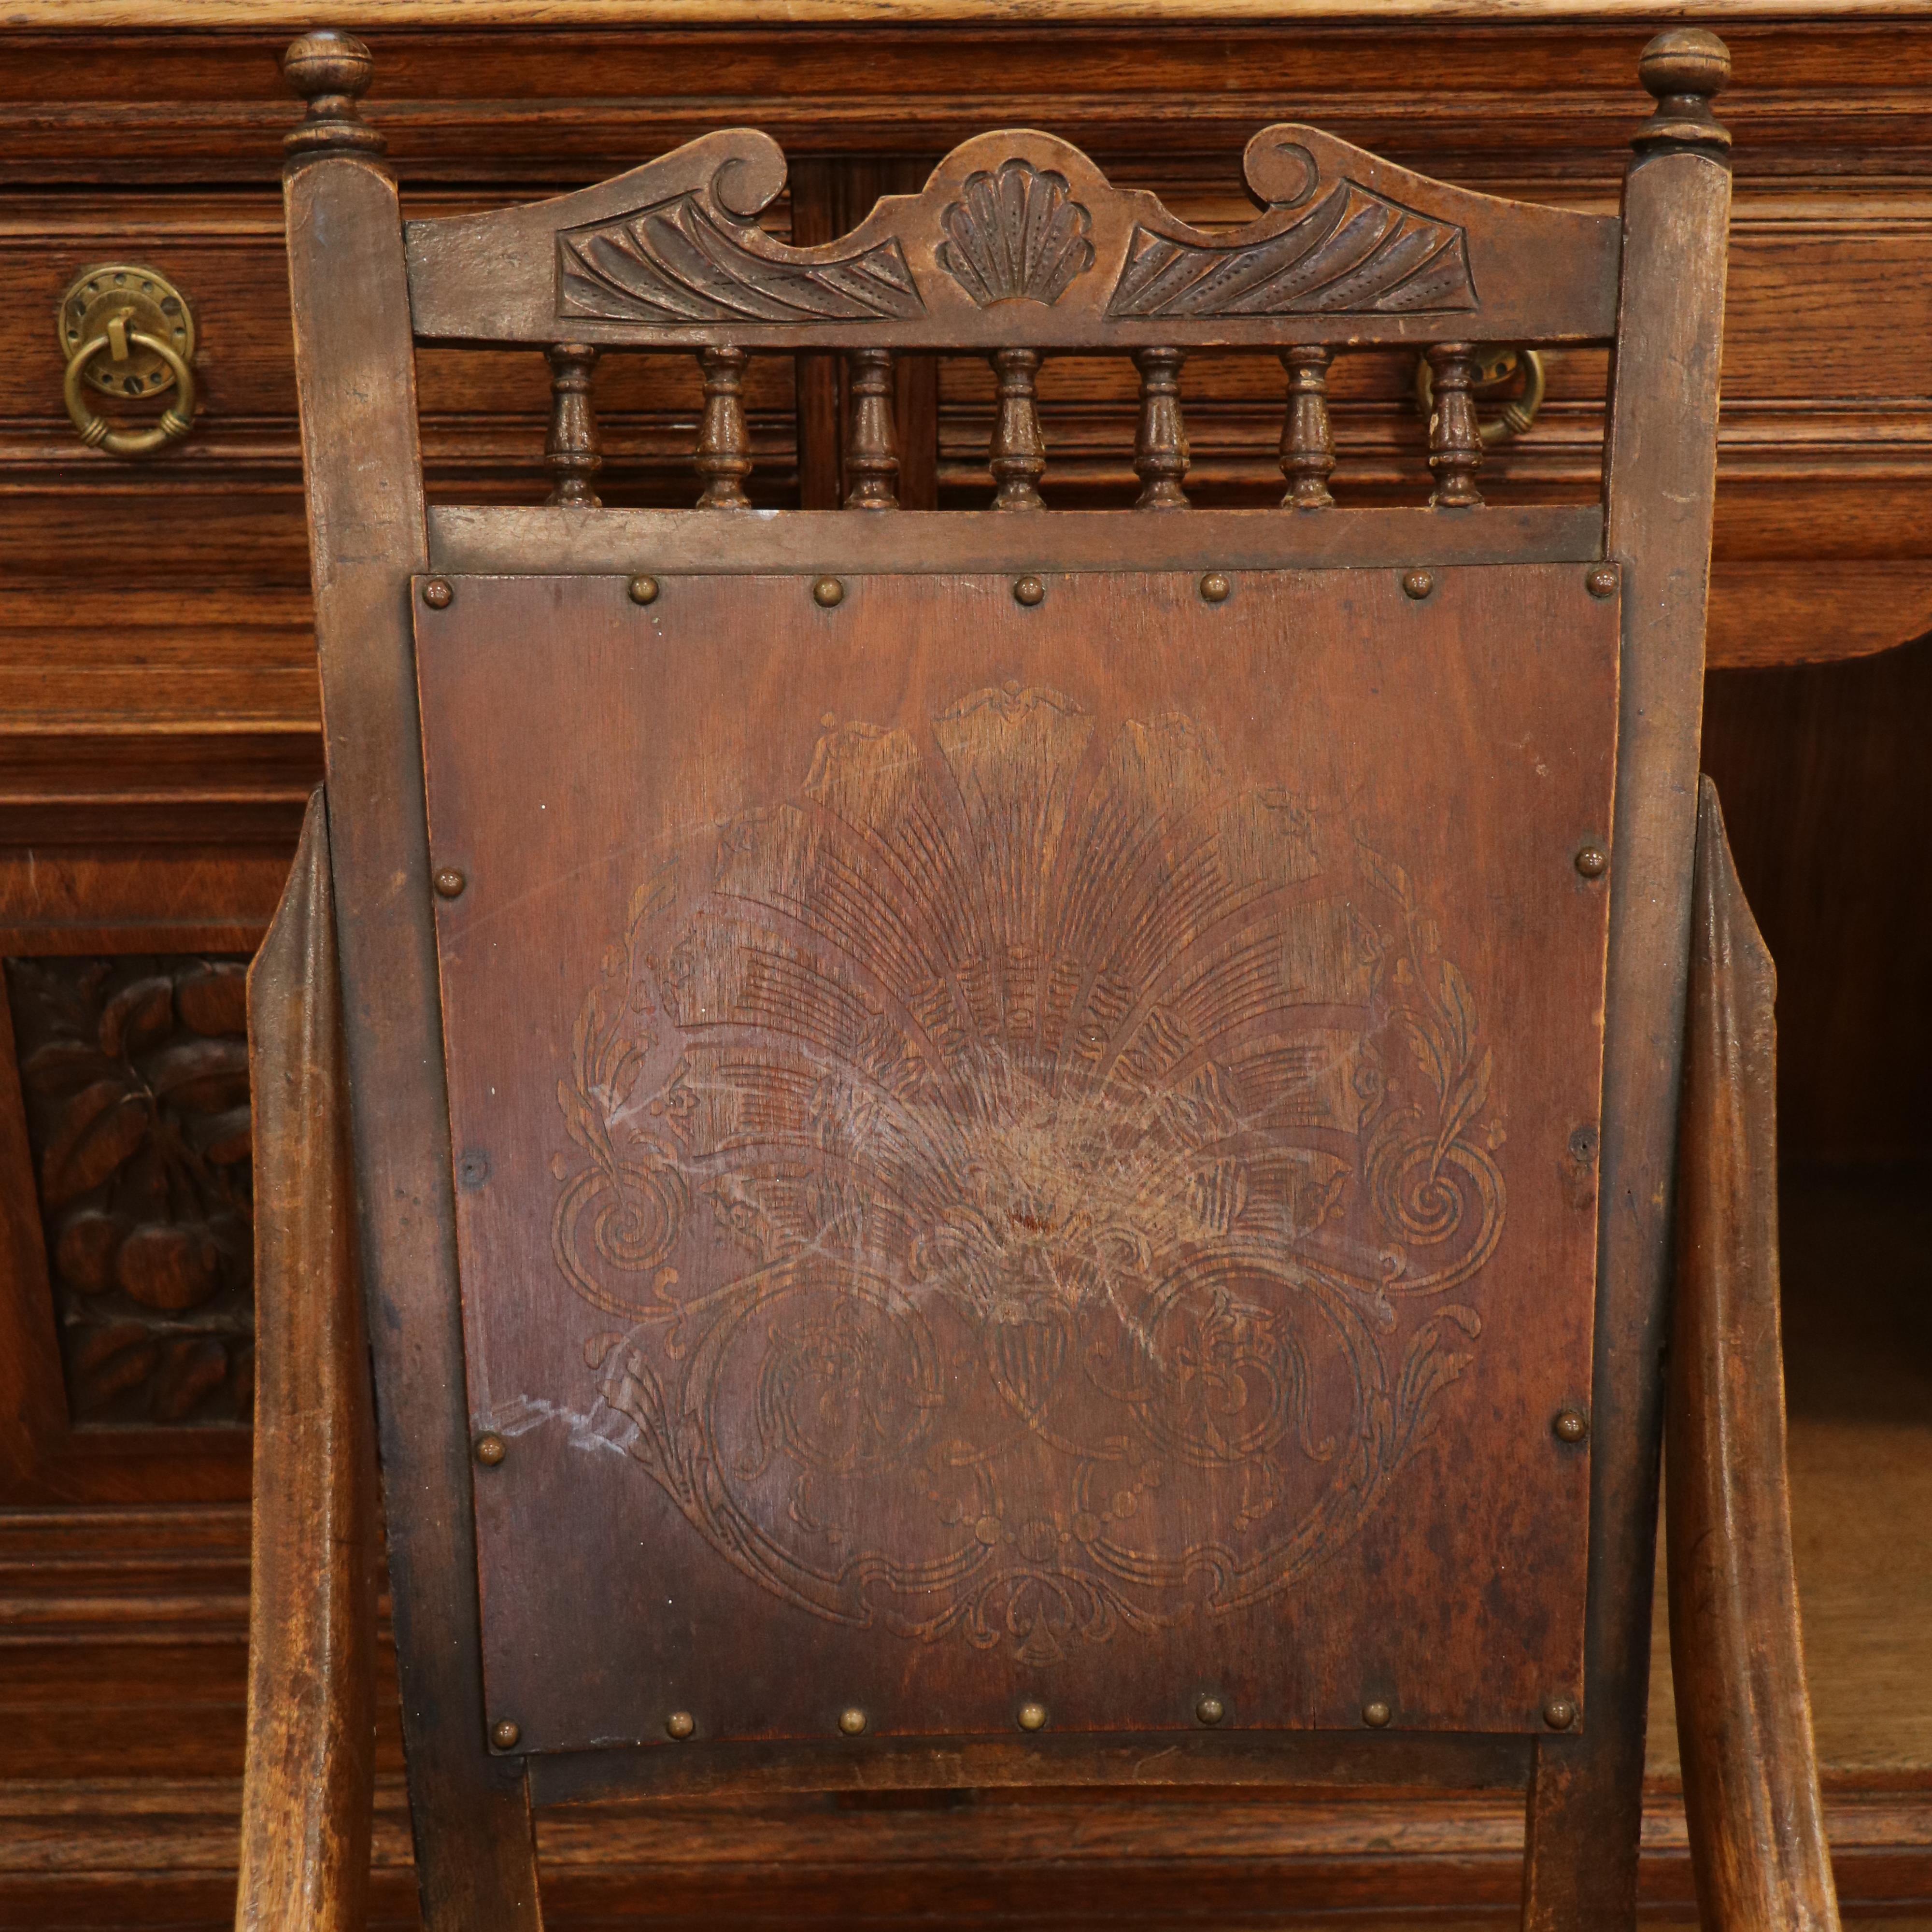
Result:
1014,1145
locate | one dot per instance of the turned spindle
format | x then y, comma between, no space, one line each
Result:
723,458
1307,440
872,448
1018,457
330,71
1160,441
1455,437
572,451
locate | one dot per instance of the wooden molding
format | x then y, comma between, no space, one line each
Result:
126,1840
270,15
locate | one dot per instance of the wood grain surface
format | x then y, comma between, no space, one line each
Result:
1743,1719
120,1748
954,716
365,508
543,13
209,689
161,727
309,1785
1350,250
1584,1802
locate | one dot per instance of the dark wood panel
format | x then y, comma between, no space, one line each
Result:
162,1855
122,1670
1827,791
1803,87
158,662
1037,1002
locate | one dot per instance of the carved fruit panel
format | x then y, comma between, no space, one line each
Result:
1046,1178
135,1074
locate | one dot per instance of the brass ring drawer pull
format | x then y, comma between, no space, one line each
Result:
1495,368
142,325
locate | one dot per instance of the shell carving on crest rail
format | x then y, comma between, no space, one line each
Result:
1029,1182
1017,234
1016,240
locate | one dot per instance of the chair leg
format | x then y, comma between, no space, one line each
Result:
1743,1718
307,1795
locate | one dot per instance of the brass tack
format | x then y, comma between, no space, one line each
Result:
1603,580
1375,1715
436,593
1032,1716
852,1720
1417,584
1214,588
827,593
1571,1425
490,1449
449,882
504,1734
1559,1714
679,1725
1209,1709
1029,591
644,590
1592,861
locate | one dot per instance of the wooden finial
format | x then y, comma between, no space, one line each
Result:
572,450
723,458
1307,441
1018,459
1160,442
872,450
1684,69
1455,437
330,71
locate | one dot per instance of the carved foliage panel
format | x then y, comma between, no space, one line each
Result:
1049,1176
134,1071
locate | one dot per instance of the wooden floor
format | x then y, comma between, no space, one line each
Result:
157,1850
1858,1350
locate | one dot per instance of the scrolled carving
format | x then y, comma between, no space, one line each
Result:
685,260
1354,252
1022,1187
135,1073
1016,234
1017,240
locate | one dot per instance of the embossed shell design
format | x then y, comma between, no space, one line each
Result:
1016,235
1021,1179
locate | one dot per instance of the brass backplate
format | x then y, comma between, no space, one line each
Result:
143,300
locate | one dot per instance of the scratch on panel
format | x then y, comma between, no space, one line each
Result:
1030,1172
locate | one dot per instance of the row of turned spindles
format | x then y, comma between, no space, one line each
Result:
1018,455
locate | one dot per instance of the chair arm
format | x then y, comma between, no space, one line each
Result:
1744,1718
307,1796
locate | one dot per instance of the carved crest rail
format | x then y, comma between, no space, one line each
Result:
1019,246
1018,241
